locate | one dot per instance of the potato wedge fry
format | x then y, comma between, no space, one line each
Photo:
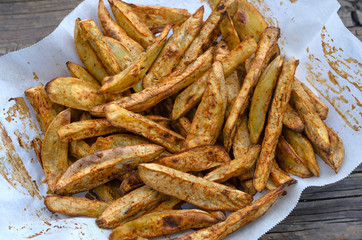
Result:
261,98
303,148
108,191
103,166
247,176
299,90
274,127
240,218
320,107
141,125
73,93
75,206
235,167
165,122
228,31
86,129
209,117
77,71
335,157
292,120
233,85
45,110
242,141
131,23
174,49
54,153
79,149
137,70
203,193
181,126
160,223
130,183
120,52
87,54
268,40
196,159
289,161
278,176
143,198
248,187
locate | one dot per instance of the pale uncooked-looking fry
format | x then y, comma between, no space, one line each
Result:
292,121
54,153
77,71
228,31
120,52
130,183
203,193
75,206
278,176
242,141
160,223
141,125
274,126
131,23
268,40
103,166
79,149
174,49
320,107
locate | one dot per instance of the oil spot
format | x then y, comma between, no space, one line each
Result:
35,77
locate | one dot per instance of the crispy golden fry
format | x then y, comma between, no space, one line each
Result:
289,161
160,223
131,23
278,176
74,93
235,167
165,122
240,218
170,204
86,129
103,166
335,157
233,85
137,70
292,121
130,183
192,95
261,98
274,126
203,193
108,192
268,40
174,49
299,90
303,148
228,31
209,117
141,125
248,187
270,185
320,107
87,54
120,52
246,176
54,153
37,143
143,198
45,110
242,141
113,30
77,71
314,127
196,159
75,206
79,149
182,126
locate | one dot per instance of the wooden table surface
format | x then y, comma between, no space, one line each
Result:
330,212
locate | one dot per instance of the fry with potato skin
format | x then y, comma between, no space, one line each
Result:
75,206
292,120
120,52
79,149
242,141
320,107
228,31
130,183
77,71
107,192
278,176
181,126
160,223
274,126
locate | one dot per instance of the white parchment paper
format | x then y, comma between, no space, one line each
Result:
330,63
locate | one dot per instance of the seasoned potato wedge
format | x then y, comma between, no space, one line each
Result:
130,183
120,52
182,126
54,153
242,140
228,31
320,107
278,176
292,121
77,71
165,222
203,193
103,166
160,120
75,206
248,187
79,149
108,192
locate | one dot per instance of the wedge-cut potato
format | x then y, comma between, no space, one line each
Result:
45,110
247,176
292,121
120,52
143,198
240,218
275,124
268,40
137,70
160,223
131,23
235,167
77,71
181,126
196,159
228,31
303,148
335,156
86,129
108,192
233,85
75,206
73,93
289,161
170,204
278,176
242,141
202,193
79,149
103,166
174,49
248,187
320,107
87,55
130,183
141,125
299,90
261,98
165,122
209,117
54,153
192,95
